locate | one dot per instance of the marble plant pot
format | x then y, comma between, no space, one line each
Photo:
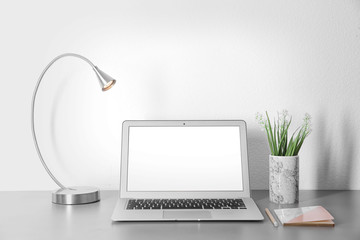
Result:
284,179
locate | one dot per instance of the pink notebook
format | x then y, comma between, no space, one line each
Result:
305,216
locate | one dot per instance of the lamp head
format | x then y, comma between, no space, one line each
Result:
106,82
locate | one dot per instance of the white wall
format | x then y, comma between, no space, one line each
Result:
177,60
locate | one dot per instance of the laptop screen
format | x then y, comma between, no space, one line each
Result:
184,158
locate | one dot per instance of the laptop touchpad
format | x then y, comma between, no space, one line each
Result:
187,215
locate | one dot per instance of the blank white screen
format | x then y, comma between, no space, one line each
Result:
184,159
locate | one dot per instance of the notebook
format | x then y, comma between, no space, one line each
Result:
305,216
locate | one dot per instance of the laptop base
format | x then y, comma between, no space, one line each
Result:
252,213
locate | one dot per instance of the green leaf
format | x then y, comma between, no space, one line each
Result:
275,140
269,140
271,135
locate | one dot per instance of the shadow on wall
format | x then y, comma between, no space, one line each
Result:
336,156
258,152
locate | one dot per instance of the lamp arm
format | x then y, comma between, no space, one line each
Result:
33,108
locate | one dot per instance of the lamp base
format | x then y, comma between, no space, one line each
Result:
76,195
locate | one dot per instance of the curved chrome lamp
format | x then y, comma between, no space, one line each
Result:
70,195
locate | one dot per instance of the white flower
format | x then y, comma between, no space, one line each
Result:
284,117
307,123
261,120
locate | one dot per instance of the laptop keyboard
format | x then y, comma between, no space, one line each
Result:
156,204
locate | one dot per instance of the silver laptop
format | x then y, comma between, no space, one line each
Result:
184,171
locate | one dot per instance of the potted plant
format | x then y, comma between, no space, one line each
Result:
284,158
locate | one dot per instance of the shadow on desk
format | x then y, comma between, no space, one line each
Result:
187,230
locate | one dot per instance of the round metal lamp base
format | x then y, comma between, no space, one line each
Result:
76,195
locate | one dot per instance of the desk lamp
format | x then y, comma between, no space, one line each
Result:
70,195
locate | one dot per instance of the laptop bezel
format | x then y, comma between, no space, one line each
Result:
124,193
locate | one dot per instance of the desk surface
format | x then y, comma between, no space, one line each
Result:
31,215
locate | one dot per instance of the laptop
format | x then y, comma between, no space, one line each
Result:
185,171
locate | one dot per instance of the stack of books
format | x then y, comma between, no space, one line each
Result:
305,216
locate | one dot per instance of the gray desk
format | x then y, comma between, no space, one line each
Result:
31,215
